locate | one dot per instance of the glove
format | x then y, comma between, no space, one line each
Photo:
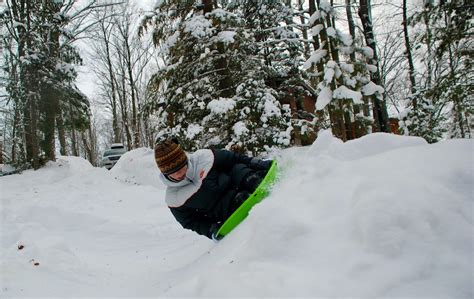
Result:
240,198
259,164
213,230
252,180
215,239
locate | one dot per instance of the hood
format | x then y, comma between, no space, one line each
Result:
199,165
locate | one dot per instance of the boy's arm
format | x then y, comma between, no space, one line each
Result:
225,160
193,220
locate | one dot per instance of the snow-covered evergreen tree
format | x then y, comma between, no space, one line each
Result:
443,103
341,82
422,120
213,91
454,45
43,55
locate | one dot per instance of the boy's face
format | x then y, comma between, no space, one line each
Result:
180,174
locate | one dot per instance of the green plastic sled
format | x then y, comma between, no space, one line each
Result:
257,196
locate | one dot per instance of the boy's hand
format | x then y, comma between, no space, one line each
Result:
213,230
258,164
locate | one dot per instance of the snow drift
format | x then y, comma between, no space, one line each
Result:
381,216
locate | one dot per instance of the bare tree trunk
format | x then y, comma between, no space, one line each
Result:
121,83
32,147
124,60
207,6
74,148
148,133
93,144
135,122
317,43
429,67
49,112
112,79
50,96
124,110
86,145
331,23
61,134
351,23
411,67
304,30
359,127
339,127
89,143
124,29
21,11
225,80
16,125
457,102
379,109
1,148
50,102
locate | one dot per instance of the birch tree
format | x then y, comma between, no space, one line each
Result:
121,62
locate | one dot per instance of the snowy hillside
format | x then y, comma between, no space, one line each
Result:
381,216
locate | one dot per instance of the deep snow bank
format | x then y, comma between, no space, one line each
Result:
138,167
381,216
92,232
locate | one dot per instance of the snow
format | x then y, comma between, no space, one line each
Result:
146,5
226,37
193,130
371,88
325,6
368,52
371,68
315,58
6,168
316,29
222,13
346,50
221,106
314,17
343,92
345,38
382,216
135,167
331,32
240,129
347,67
324,98
198,26
329,71
270,108
18,24
170,41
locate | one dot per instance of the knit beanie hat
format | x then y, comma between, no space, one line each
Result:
169,157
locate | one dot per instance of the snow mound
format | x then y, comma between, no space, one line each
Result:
366,146
65,168
70,163
138,167
383,216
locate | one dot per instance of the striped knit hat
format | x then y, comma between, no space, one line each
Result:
169,157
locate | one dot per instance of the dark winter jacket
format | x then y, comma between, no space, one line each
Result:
205,196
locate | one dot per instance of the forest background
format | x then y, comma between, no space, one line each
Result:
251,76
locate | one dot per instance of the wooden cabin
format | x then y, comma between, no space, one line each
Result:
302,103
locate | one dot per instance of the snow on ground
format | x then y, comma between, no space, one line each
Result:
381,216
